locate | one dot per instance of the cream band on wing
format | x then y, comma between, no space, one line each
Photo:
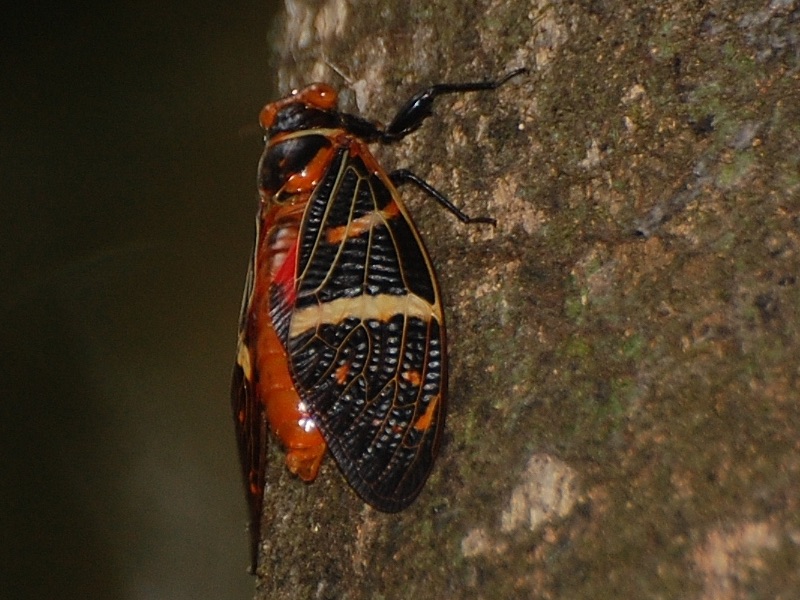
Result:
364,308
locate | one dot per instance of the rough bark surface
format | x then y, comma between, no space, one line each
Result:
624,418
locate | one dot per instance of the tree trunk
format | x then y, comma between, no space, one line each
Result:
623,417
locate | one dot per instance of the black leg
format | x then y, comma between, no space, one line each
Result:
420,107
402,176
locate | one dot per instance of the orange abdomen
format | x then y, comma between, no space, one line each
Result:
286,413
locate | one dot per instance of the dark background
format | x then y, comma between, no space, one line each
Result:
129,146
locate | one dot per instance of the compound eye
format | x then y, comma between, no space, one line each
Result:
318,95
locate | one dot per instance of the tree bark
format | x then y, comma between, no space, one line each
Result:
624,415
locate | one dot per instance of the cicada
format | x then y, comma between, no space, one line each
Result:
341,334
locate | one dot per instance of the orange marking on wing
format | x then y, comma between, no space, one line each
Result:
413,377
252,478
424,422
335,235
341,374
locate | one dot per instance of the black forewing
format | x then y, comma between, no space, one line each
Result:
372,370
250,422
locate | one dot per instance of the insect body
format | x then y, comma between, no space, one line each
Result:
341,334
